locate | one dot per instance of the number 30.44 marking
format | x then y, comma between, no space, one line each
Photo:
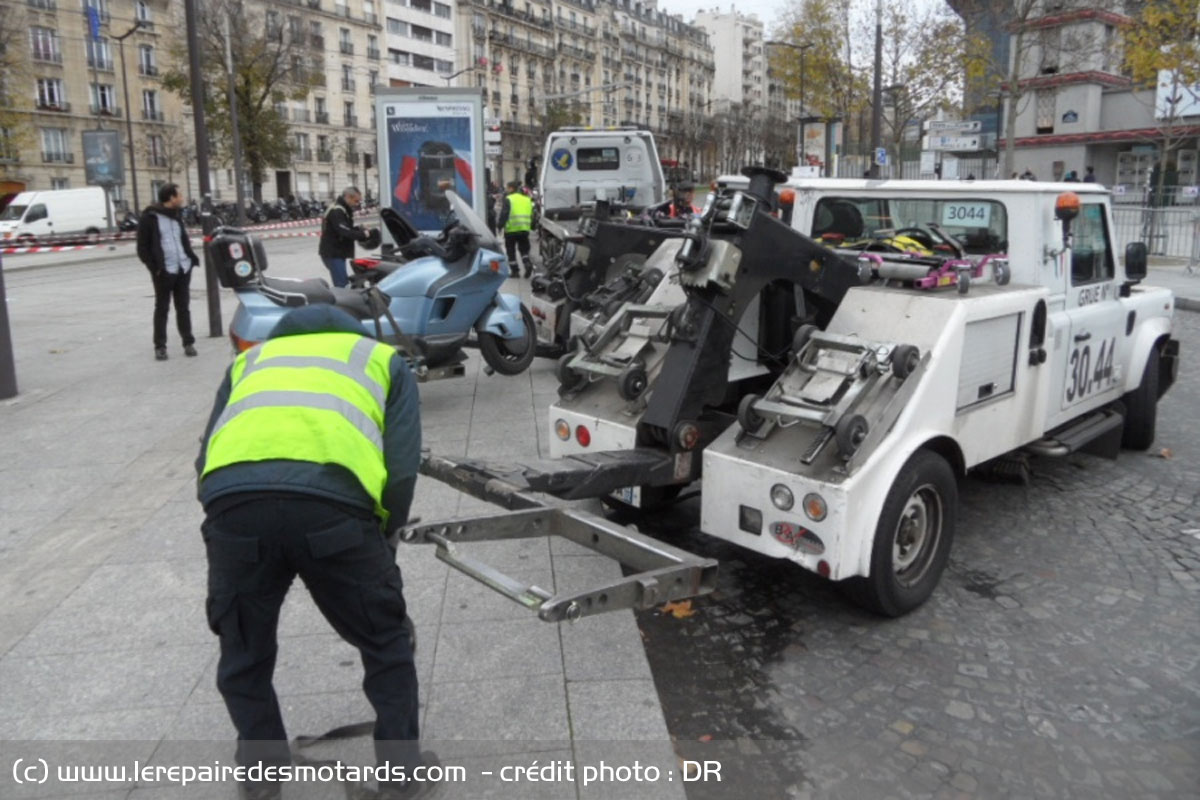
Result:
1087,377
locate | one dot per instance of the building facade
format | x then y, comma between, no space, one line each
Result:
64,79
1079,109
542,64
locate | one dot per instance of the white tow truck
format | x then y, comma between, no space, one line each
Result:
940,325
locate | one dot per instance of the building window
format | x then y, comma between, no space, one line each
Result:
398,57
60,183
421,5
104,99
421,33
157,153
1045,110
397,27
442,10
444,67
1050,41
101,7
142,13
45,44
422,62
99,54
147,64
54,144
444,39
50,93
150,108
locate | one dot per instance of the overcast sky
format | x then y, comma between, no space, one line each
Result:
769,11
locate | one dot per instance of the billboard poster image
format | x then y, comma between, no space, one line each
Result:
102,158
430,141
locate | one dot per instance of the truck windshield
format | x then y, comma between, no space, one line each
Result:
980,225
13,213
592,158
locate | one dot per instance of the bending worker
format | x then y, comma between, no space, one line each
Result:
516,218
307,465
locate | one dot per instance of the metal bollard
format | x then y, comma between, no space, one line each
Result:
8,370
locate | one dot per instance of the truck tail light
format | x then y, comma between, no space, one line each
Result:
583,436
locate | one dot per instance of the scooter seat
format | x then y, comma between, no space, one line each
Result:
294,293
353,302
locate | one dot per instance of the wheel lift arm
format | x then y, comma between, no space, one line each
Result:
663,573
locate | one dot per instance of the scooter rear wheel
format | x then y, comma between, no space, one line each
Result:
510,356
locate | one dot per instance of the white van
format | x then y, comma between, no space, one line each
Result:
34,216
621,162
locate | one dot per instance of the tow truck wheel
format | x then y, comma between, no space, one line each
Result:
801,337
964,282
850,432
748,418
1001,273
912,538
1141,408
905,359
632,382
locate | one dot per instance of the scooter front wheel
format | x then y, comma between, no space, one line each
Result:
510,356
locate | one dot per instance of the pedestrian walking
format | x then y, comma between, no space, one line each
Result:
164,247
1090,175
307,468
516,218
1028,175
338,234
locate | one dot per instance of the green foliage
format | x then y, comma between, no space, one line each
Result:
268,69
1164,36
559,114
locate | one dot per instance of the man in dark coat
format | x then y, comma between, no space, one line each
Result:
307,467
163,246
338,234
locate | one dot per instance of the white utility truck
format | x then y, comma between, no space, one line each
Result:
928,328
581,164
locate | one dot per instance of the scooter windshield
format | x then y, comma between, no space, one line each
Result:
467,217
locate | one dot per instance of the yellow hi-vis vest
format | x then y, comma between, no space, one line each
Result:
520,213
316,397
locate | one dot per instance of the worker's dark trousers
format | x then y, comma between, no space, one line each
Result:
255,549
512,243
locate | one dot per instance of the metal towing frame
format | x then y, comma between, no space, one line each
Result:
663,573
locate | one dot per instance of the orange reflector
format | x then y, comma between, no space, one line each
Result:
823,568
1066,206
562,430
814,507
495,265
239,344
787,197
582,436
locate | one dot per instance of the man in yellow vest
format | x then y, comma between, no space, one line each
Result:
306,468
516,218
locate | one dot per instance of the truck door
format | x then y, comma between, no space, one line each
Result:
1095,313
37,221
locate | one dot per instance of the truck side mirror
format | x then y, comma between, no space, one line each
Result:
1135,261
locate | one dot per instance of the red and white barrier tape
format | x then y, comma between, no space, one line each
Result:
9,251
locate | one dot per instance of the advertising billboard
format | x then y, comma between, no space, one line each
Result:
103,164
430,140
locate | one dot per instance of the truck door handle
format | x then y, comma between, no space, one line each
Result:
1082,337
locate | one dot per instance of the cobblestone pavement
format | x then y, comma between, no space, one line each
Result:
1058,658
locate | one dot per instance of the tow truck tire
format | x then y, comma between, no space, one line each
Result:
801,337
510,357
632,382
905,359
748,418
964,283
1141,408
912,538
850,432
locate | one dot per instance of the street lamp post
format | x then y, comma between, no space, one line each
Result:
137,25
877,93
802,49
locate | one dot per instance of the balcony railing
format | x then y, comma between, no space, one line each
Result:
104,111
350,121
347,48
10,157
105,64
302,154
157,160
47,54
321,117
373,53
314,4
57,158
352,158
47,105
370,19
42,5
153,115
149,70
325,156
342,11
347,84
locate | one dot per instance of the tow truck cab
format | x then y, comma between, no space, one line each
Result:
579,164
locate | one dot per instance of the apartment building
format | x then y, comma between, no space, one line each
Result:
66,80
741,61
421,43
541,64
333,128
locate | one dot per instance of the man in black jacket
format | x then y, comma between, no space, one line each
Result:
338,234
307,468
163,246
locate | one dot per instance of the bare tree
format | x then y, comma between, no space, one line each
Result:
16,130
